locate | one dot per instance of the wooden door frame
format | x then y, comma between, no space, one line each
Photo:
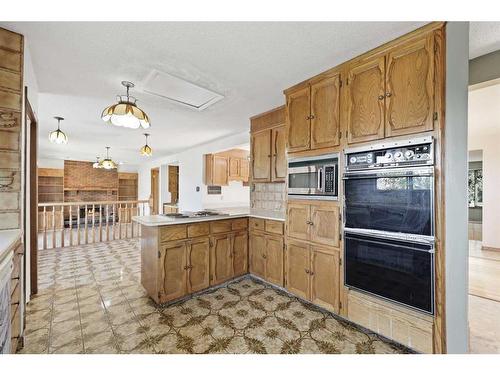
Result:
155,205
30,166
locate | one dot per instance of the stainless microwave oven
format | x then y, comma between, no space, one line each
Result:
313,177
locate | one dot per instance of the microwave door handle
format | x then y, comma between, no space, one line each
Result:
320,185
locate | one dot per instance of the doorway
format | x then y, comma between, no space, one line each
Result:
155,190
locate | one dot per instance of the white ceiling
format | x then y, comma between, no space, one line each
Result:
79,66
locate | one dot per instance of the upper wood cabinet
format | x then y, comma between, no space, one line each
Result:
365,101
410,87
318,222
314,115
268,146
222,167
392,94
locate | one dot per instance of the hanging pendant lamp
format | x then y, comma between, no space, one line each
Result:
107,162
126,113
146,150
97,164
58,136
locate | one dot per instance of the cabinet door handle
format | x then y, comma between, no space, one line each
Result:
307,271
312,273
264,256
388,94
311,117
381,97
308,117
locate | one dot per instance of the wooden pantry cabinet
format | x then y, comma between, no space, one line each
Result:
313,273
392,94
315,221
267,250
268,146
313,114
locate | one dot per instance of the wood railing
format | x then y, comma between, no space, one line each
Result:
76,223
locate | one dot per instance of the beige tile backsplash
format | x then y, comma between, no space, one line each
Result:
268,196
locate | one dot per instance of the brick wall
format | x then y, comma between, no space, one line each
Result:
81,175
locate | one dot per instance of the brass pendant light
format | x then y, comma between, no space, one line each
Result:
58,136
97,164
126,113
146,150
107,162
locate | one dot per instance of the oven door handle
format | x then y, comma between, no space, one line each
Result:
385,175
431,250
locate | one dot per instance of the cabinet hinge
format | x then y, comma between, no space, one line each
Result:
340,305
435,116
340,83
340,261
340,136
347,81
159,295
159,254
340,236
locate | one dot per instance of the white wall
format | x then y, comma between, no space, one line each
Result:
234,195
455,170
191,169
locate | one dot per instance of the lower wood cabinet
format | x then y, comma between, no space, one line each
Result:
313,273
198,261
221,258
266,257
240,253
173,271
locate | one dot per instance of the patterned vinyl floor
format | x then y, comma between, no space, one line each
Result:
90,301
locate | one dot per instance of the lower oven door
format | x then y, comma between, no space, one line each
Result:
397,270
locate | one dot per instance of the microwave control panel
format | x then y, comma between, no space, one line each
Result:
409,155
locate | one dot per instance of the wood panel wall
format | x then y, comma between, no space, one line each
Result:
11,85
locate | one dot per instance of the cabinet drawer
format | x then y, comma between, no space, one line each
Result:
273,226
257,223
220,226
239,224
172,233
197,230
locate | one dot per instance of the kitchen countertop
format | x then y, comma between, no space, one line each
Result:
7,239
226,213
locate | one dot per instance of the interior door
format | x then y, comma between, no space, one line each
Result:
410,88
325,113
325,278
274,260
325,223
222,259
365,101
198,264
220,173
257,253
298,215
261,156
240,253
298,270
299,110
172,275
279,154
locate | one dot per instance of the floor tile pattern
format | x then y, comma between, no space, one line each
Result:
91,301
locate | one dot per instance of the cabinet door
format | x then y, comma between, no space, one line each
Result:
240,253
325,113
278,164
244,169
261,156
234,167
410,88
274,260
298,269
325,219
172,275
299,110
298,215
365,101
198,264
325,279
221,258
220,172
257,254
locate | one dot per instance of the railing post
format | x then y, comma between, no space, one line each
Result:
86,226
44,227
100,223
93,223
53,226
70,227
114,220
62,226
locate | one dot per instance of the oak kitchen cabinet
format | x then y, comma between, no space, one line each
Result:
392,94
267,250
315,221
313,113
313,273
229,254
222,167
268,146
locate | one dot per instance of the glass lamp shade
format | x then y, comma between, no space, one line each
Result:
58,137
108,164
126,114
146,150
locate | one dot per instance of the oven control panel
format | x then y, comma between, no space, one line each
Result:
407,155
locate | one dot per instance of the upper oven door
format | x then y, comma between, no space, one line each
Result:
391,200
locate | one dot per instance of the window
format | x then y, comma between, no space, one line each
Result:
476,187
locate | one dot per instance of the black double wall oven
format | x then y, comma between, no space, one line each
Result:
389,221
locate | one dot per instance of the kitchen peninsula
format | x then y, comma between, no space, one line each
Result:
185,253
